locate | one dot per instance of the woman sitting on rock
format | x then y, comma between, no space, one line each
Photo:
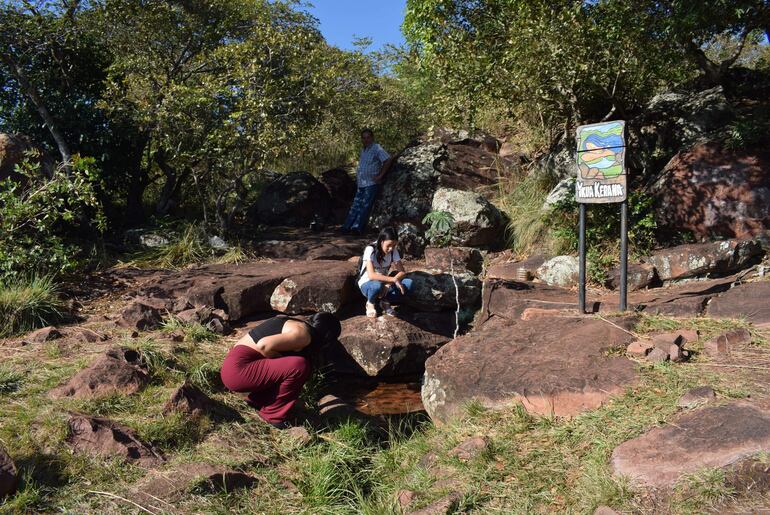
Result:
373,275
272,362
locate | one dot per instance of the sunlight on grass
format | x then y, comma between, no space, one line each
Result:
27,304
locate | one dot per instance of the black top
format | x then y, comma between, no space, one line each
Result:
273,326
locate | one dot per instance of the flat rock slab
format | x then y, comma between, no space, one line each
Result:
242,290
389,346
749,301
171,485
715,436
552,366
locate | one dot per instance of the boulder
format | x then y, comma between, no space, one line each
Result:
640,276
250,288
342,188
727,342
43,335
508,300
552,366
294,199
103,437
697,397
436,292
509,270
388,346
8,474
189,399
563,191
559,162
715,192
411,241
457,259
711,437
470,168
559,271
119,370
172,485
470,449
476,221
698,259
140,315
747,301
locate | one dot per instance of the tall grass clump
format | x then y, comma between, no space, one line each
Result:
523,203
27,304
189,248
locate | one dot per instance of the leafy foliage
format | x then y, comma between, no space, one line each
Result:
441,225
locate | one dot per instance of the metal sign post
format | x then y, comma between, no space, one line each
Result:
601,179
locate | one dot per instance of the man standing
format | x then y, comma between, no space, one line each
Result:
373,165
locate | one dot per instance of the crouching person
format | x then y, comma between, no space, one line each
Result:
376,283
271,362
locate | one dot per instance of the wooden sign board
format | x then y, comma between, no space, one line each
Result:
601,163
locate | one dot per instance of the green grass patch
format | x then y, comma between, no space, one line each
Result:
523,203
10,379
27,304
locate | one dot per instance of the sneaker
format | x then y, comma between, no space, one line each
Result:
371,310
387,309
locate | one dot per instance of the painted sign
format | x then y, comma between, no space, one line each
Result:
601,163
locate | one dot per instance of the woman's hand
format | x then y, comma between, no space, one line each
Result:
400,287
397,278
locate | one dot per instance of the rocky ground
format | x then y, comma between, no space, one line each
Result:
532,407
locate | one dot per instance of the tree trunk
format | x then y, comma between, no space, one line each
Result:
42,110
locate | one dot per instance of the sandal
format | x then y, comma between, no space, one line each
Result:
387,309
371,310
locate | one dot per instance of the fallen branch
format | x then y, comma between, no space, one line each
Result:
108,494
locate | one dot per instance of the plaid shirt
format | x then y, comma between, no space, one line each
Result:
369,164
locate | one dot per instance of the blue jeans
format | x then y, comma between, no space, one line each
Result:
372,289
358,215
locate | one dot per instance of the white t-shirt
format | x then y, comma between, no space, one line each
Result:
382,267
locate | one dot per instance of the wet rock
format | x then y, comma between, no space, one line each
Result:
470,449
747,301
389,346
640,276
436,292
476,221
458,259
559,271
189,399
103,437
8,474
141,316
443,506
697,397
173,484
715,192
46,334
119,370
710,437
697,259
294,199
342,188
553,366
726,342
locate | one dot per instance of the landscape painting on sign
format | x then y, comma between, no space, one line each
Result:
601,163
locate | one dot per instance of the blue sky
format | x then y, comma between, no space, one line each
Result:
341,20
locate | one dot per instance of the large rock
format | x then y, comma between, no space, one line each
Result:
697,259
119,370
172,485
140,315
639,276
8,475
476,221
388,346
294,199
711,437
553,366
507,300
715,192
250,288
342,188
436,292
509,270
470,168
559,271
189,399
749,301
103,437
457,259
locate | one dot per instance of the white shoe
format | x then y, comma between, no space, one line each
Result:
371,310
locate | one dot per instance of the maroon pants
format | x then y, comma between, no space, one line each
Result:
273,384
